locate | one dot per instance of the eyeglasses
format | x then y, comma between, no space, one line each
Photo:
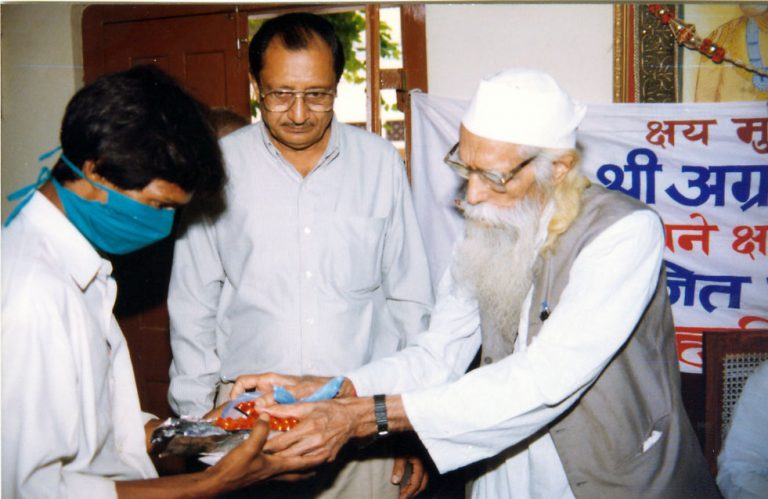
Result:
495,180
279,101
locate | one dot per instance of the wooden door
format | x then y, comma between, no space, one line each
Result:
203,50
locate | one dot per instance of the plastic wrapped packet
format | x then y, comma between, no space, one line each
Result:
192,437
213,439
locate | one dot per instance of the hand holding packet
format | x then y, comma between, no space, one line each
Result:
212,439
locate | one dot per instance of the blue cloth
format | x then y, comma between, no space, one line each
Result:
26,192
283,396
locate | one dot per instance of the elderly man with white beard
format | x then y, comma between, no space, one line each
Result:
562,285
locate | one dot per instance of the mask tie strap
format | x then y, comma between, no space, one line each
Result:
26,192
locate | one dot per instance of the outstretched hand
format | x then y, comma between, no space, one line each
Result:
323,429
247,464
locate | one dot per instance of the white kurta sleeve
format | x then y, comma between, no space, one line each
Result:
405,269
41,399
440,354
194,291
496,406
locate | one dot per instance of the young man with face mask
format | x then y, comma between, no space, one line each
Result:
316,264
134,147
562,285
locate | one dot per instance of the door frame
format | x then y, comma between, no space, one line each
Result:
412,76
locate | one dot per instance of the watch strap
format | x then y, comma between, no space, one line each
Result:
380,412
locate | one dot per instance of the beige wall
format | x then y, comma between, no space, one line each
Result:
41,69
42,62
467,42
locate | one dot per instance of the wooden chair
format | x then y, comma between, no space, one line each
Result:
730,357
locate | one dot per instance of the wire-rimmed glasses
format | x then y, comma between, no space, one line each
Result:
495,180
279,101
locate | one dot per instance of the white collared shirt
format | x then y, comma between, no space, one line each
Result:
465,419
71,422
299,275
742,466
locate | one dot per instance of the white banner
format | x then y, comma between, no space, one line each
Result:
702,167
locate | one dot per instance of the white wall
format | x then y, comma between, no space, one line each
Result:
41,69
42,62
572,42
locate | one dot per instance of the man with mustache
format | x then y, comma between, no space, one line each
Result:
562,285
316,265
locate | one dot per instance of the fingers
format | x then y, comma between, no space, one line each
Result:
289,410
216,412
414,487
415,482
265,400
297,386
398,469
259,382
420,477
284,443
255,441
308,443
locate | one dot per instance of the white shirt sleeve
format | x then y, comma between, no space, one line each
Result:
743,461
194,291
496,406
405,268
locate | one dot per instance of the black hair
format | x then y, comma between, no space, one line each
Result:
137,126
296,31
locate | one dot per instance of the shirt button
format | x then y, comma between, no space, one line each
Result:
308,274
310,321
487,360
307,230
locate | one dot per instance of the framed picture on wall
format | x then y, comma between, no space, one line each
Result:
742,31
650,66
645,62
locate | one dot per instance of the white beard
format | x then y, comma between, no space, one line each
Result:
496,261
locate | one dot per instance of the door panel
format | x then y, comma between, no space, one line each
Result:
202,77
199,51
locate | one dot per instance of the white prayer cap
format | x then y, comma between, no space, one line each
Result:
524,106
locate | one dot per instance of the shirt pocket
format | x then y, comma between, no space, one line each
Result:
352,253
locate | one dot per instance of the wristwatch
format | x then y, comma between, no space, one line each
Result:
380,412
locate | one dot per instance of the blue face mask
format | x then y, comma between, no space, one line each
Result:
119,226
